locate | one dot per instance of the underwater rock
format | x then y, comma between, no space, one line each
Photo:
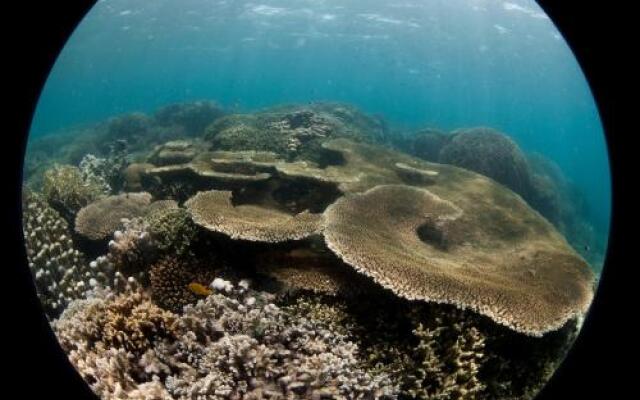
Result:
192,116
61,272
487,251
67,189
101,218
215,211
490,153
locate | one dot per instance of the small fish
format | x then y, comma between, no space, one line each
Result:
587,247
199,289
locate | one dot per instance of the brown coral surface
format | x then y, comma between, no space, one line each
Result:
486,251
103,217
215,211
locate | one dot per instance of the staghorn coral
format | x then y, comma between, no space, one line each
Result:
61,273
215,211
425,248
263,352
232,344
170,279
429,351
129,321
101,218
68,190
108,338
448,358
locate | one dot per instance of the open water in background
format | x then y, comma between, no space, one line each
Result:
441,63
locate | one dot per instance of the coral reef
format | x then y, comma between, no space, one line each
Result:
450,353
173,152
287,254
215,211
134,129
192,116
426,144
134,176
490,153
170,279
61,273
67,189
132,249
429,249
101,218
172,230
293,132
108,170
310,269
232,344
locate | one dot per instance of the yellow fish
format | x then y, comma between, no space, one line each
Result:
199,289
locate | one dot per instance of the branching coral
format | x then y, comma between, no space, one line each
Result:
448,358
108,171
233,344
60,271
132,250
107,337
68,190
266,352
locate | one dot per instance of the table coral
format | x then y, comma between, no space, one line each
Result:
423,247
103,217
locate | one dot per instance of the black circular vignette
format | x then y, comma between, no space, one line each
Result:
594,368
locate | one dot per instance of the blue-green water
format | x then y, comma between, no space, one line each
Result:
443,63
